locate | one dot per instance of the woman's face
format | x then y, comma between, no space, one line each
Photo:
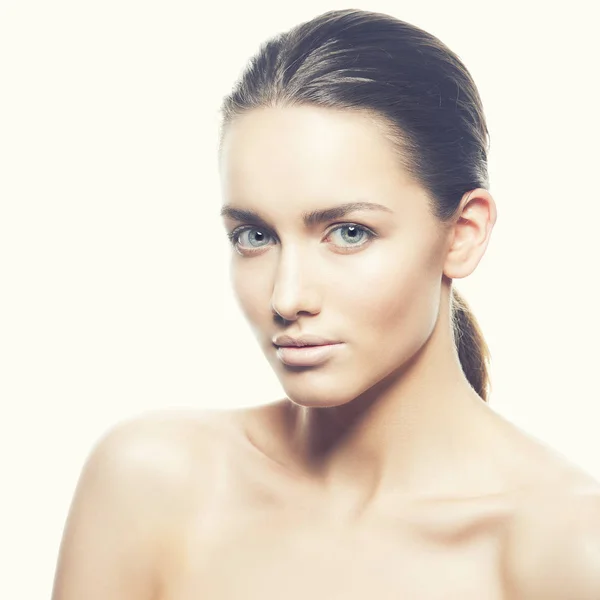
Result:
370,279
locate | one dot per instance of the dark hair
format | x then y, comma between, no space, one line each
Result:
411,85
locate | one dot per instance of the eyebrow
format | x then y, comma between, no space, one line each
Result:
309,218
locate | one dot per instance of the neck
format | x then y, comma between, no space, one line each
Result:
421,432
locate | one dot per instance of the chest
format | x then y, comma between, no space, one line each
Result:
269,556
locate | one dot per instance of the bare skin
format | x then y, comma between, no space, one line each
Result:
382,473
184,507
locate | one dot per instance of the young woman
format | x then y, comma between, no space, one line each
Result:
353,165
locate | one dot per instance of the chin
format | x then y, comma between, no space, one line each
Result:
317,403
317,398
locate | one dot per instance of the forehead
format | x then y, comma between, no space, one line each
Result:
307,152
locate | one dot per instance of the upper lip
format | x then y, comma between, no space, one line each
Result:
303,340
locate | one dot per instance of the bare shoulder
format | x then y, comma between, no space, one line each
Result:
167,452
175,448
553,550
139,483
169,431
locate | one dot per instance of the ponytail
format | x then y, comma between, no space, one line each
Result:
473,351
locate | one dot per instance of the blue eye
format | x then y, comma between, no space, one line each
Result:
234,236
355,232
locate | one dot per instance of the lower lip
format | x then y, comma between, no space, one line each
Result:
305,356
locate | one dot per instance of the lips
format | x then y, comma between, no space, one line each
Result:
306,356
302,341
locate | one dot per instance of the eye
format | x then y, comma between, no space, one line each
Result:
236,234
355,232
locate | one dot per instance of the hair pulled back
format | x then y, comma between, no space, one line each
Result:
414,87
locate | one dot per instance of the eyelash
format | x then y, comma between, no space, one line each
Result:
235,234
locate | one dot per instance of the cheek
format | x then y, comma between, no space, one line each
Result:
394,299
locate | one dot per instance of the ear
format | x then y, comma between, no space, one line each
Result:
470,233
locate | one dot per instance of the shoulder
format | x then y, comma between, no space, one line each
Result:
175,448
155,470
159,451
140,482
553,551
142,465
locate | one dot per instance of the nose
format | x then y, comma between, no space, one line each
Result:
293,293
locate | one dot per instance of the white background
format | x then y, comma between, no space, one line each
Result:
115,295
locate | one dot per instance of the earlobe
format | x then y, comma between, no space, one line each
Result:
470,234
